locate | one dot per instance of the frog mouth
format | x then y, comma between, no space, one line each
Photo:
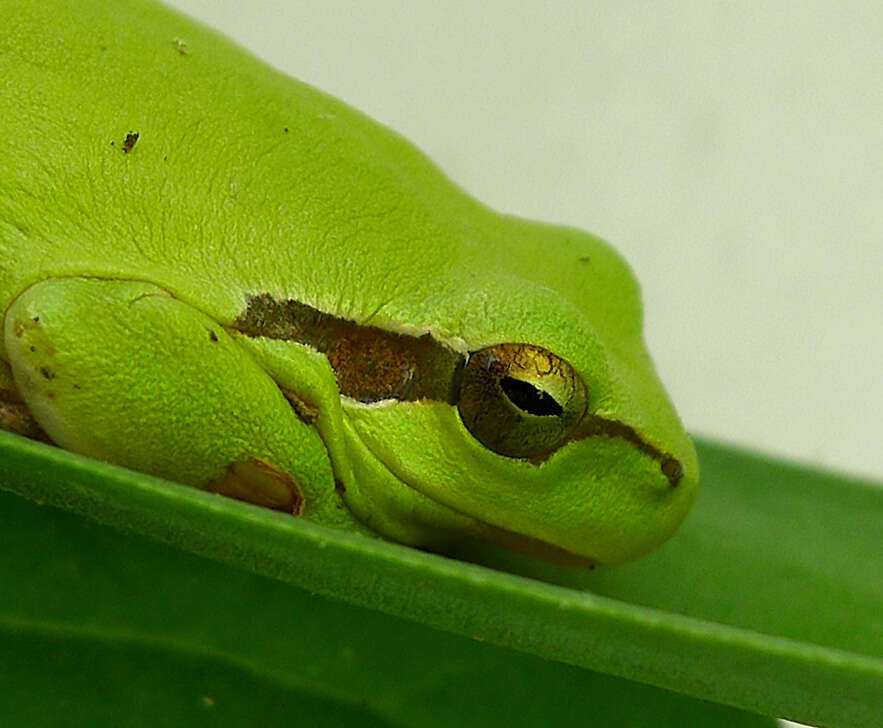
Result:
518,543
533,547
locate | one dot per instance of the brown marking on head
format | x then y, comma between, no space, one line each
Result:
595,426
370,363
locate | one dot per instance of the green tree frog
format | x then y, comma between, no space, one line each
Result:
219,275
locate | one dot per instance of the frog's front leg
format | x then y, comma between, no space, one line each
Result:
122,371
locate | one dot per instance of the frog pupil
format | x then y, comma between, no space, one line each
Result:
527,397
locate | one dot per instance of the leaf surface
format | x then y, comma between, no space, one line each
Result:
768,599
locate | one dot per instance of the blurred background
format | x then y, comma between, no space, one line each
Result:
732,151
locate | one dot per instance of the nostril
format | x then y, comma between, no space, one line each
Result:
673,470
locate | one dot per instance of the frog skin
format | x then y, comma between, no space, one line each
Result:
216,274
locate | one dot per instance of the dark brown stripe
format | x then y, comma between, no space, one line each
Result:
593,426
371,364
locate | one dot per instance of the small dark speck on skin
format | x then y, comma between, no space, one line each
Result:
212,335
285,130
76,386
47,373
129,143
585,259
36,319
33,348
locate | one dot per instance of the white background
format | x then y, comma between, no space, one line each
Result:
732,151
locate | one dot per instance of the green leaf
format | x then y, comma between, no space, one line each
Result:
769,599
54,677
116,630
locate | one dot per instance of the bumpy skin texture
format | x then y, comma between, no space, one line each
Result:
244,182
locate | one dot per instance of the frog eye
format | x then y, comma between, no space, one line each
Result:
520,400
